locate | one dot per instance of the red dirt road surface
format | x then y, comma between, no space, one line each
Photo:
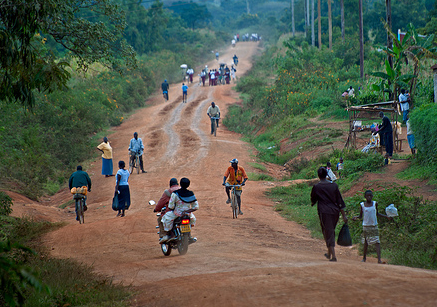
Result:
259,259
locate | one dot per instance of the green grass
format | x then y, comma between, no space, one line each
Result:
258,166
71,283
260,177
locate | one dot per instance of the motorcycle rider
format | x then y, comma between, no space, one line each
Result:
165,87
163,202
181,201
235,175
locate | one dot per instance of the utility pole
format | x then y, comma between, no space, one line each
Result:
330,24
361,40
313,38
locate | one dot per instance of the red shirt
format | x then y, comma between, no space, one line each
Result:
163,201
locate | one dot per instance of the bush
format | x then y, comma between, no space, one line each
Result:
5,204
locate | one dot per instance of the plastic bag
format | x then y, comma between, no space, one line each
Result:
391,211
115,202
344,236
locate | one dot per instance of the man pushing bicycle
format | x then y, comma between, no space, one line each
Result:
235,175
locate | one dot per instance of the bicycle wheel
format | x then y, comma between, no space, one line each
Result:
214,126
80,211
234,205
137,164
131,165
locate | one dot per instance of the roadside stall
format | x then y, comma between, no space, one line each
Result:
364,120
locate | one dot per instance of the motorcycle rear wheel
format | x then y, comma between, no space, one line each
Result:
166,249
183,244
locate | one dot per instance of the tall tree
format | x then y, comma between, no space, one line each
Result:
313,38
319,20
330,24
389,40
292,18
342,19
308,15
360,5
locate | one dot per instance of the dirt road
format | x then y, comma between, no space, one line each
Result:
258,259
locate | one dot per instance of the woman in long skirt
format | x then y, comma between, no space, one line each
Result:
122,188
106,150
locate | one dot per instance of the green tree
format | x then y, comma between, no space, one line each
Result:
91,31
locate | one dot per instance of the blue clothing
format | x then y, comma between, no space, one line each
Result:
124,173
411,141
123,197
164,86
184,88
107,166
136,145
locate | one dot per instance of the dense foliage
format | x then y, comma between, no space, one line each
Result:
26,64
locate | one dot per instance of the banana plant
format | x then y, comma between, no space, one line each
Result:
413,48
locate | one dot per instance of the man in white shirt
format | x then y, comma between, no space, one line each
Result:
405,106
214,114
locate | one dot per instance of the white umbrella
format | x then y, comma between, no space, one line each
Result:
184,66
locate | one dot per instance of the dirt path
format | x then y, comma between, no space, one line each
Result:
257,260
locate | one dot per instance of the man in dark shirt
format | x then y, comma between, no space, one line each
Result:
386,133
79,179
329,205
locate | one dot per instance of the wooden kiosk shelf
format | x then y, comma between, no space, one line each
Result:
371,111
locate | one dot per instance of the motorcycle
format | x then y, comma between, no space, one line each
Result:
181,231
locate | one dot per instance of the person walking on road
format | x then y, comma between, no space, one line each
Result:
165,86
184,93
329,204
106,149
213,111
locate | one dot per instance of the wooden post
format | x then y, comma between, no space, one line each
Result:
434,69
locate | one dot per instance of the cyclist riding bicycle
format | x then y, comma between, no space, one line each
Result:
213,111
235,175
165,87
79,179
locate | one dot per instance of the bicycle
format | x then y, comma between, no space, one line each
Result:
134,162
234,201
80,207
214,125
165,94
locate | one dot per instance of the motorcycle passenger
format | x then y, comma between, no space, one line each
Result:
235,175
213,111
79,179
180,201
165,86
163,202
136,146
